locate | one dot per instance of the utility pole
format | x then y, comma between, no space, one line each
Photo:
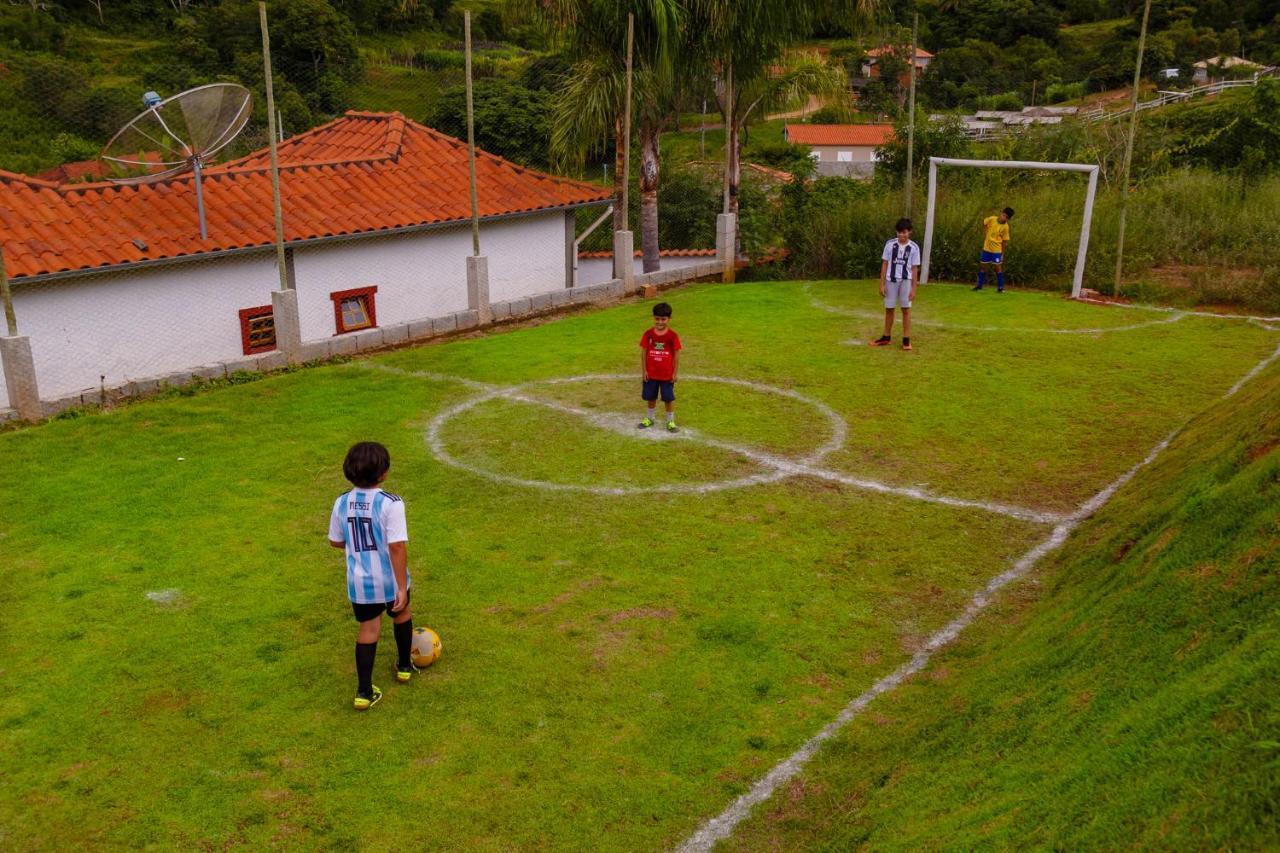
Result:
626,126
1128,146
471,141
909,182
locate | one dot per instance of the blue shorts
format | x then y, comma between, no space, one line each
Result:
992,257
650,389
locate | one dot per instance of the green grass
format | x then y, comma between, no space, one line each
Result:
1126,698
615,669
687,145
412,91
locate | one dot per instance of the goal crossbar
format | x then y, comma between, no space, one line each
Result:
1088,168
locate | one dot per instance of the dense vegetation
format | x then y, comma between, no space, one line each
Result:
70,75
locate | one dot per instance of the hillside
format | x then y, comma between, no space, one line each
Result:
1123,696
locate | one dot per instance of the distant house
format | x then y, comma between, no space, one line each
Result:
114,283
842,150
1203,70
871,63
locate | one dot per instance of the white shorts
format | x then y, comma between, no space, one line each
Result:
897,294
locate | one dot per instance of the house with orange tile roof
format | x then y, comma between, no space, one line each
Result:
871,62
113,282
841,150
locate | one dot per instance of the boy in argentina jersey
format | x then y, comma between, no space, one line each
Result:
369,525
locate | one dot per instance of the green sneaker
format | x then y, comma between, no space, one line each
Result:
671,426
646,423
364,703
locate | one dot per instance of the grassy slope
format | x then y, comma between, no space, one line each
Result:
1126,697
607,679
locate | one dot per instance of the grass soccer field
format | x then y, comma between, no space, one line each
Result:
636,626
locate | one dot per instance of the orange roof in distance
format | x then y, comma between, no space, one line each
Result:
838,134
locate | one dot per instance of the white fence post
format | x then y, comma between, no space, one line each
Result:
624,263
478,288
20,376
726,238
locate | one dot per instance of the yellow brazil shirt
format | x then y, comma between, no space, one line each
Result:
996,234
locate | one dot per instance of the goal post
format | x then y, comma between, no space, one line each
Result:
1090,169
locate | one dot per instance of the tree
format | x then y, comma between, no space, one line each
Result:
932,139
1238,134
511,121
313,45
589,106
744,41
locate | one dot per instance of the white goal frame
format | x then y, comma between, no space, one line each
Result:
1092,170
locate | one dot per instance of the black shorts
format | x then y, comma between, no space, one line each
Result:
365,612
650,388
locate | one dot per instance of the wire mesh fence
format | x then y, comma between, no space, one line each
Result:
158,238
156,226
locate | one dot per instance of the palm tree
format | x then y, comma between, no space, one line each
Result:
589,107
746,41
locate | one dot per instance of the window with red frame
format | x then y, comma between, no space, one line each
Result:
257,329
354,309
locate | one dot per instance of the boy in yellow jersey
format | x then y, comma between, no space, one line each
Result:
995,239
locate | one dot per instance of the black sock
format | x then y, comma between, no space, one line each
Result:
365,653
404,642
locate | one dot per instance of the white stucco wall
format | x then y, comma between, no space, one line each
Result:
425,274
118,327
113,328
599,270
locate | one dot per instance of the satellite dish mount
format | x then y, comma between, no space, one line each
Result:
176,135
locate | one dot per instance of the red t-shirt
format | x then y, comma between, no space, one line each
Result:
660,354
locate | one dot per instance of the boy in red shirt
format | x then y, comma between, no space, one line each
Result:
660,349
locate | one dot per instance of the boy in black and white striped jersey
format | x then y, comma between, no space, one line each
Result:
899,273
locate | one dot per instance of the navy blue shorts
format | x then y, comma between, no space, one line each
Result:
991,257
650,389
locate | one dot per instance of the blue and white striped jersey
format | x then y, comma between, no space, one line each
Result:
368,521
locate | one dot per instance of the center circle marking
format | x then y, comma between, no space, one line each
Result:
776,467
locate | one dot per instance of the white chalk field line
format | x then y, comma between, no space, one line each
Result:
721,826
776,467
867,314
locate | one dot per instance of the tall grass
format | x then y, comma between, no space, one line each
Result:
1191,236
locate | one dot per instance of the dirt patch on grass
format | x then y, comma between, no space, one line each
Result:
1260,450
660,613
585,585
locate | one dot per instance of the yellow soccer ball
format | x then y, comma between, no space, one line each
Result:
426,647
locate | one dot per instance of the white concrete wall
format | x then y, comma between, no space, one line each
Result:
830,153
117,327
526,255
599,270
130,325
425,275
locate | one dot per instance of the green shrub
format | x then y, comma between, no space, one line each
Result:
1056,93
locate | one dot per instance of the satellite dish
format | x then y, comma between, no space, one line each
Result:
177,135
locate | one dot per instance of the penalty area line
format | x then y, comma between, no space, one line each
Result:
722,825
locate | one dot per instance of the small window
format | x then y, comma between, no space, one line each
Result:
844,156
257,329
354,309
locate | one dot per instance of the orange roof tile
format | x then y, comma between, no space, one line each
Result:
361,173
881,51
838,134
662,253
